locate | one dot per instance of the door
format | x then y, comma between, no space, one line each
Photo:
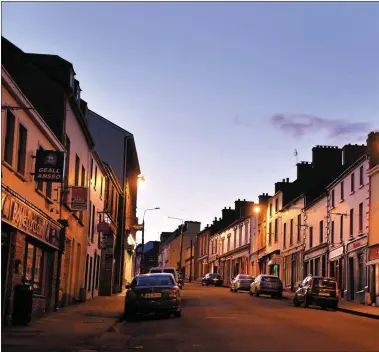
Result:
293,266
351,278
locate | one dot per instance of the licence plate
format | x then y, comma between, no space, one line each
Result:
152,295
324,294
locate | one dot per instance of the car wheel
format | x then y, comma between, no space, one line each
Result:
130,316
296,303
178,314
256,293
279,295
307,302
335,306
250,293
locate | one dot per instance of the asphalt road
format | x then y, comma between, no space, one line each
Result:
214,319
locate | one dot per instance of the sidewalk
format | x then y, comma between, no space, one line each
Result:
73,324
343,306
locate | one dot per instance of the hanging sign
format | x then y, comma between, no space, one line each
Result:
49,166
79,198
103,227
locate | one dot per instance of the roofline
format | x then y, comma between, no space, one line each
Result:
349,169
111,123
316,200
231,225
12,87
293,201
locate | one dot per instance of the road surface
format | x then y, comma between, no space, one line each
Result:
214,319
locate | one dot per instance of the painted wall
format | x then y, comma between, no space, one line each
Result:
314,214
272,214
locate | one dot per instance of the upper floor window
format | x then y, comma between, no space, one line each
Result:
270,233
351,222
246,233
91,168
291,232
361,176
332,232
299,228
228,244
333,199
270,209
9,138
77,169
95,177
311,237
276,205
342,191
240,238
321,231
352,182
276,231
284,235
21,152
360,218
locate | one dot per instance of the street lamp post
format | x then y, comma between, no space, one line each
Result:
181,240
143,238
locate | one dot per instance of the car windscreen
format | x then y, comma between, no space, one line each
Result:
169,271
269,279
154,271
161,280
214,276
324,283
244,277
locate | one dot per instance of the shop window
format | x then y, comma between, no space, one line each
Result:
86,276
22,140
9,138
90,274
97,272
34,265
361,272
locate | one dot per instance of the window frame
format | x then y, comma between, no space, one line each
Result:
31,280
22,146
9,140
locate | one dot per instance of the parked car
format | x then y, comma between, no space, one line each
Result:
316,290
212,279
152,293
241,282
180,280
267,285
165,269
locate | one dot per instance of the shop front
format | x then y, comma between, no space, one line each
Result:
315,261
337,267
213,264
274,263
30,242
292,269
240,263
373,265
356,269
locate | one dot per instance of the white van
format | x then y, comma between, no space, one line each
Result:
165,269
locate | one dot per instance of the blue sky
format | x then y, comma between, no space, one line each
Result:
198,84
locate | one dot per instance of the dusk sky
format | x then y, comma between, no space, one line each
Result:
217,95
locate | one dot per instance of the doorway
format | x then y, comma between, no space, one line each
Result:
351,277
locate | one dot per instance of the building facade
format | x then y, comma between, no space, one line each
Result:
31,235
201,253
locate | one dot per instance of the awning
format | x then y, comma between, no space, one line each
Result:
372,262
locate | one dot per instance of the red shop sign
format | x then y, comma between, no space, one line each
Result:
374,253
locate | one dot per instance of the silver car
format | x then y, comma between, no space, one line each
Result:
241,282
267,284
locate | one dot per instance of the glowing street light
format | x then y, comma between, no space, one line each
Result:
257,209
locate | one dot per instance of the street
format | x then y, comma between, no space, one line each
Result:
215,318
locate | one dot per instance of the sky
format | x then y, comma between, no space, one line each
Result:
217,95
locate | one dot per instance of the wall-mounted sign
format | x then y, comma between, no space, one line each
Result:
374,253
356,244
103,227
24,218
79,198
49,166
137,227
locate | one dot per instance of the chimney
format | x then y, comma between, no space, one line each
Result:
351,153
326,157
263,198
373,148
304,171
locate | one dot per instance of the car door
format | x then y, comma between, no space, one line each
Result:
303,289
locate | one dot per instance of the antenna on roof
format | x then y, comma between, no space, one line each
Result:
296,154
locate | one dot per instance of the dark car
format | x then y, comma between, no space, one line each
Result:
212,279
241,282
153,293
316,290
267,285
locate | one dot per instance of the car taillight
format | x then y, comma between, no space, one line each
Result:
173,293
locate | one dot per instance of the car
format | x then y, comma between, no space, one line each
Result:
267,284
152,293
241,282
165,269
212,279
180,280
317,290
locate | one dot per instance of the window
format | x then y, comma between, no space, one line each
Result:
228,247
276,231
321,231
360,218
97,272
9,138
361,176
352,183
299,228
49,189
341,228
246,233
270,209
90,229
342,191
67,167
83,176
284,235
95,176
34,264
351,222
361,281
90,274
77,167
40,183
332,232
21,158
240,238
269,233
91,168
311,237
291,232
235,237
276,205
101,187
333,199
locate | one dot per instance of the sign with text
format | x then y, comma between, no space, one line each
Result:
49,166
79,198
374,253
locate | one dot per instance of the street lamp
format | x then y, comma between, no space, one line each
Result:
143,237
181,240
257,209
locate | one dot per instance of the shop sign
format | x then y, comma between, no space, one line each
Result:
361,242
315,253
49,166
27,220
103,227
336,253
374,253
79,198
